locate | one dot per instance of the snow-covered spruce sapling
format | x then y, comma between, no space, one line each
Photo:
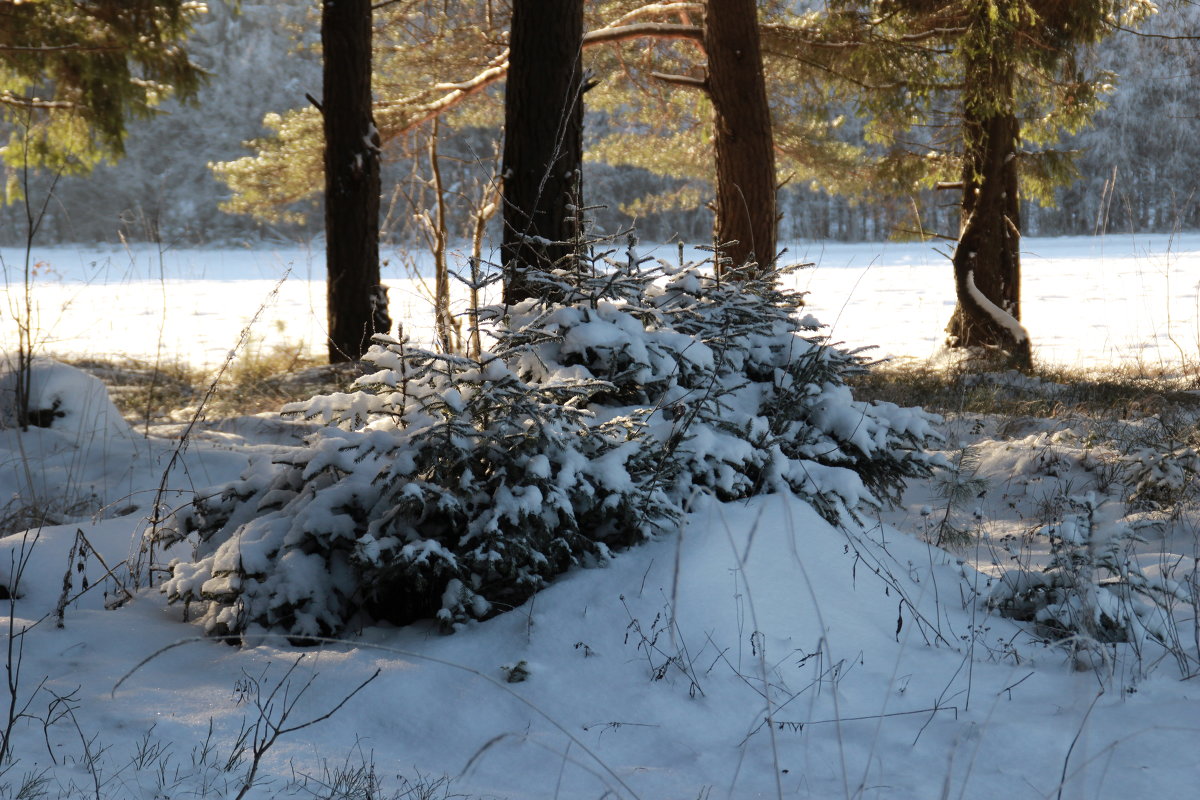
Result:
1093,591
957,484
1160,478
445,487
455,487
745,397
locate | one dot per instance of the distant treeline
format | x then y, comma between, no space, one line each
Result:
1137,163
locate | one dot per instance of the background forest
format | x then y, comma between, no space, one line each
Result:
1135,161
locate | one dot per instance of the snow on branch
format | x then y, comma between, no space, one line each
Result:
655,30
1002,318
458,92
681,80
9,99
657,9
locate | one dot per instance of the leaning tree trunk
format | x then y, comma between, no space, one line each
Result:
745,150
987,260
543,139
355,300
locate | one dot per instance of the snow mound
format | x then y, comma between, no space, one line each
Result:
63,398
78,457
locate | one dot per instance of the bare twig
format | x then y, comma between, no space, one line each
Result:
419,656
271,725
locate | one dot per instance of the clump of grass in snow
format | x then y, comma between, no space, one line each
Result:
1064,442
254,381
141,390
1049,391
23,513
262,378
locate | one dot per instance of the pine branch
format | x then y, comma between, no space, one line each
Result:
655,9
497,69
458,92
1186,37
57,48
681,80
791,35
651,30
10,99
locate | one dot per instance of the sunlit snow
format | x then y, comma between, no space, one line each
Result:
757,652
1091,301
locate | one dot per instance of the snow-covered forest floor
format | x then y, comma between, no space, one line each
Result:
756,652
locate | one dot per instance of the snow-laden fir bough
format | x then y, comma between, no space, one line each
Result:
454,487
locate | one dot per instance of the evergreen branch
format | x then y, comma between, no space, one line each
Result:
1186,37
10,99
924,233
655,9
498,69
681,80
458,92
651,30
499,62
862,84
792,35
929,34
55,48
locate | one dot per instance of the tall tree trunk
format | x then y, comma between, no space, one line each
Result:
543,138
355,300
988,256
745,150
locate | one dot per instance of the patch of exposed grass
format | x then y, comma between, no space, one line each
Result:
30,514
261,379
1120,392
265,377
256,380
143,391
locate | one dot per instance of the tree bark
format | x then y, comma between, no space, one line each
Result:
988,254
543,139
745,151
356,302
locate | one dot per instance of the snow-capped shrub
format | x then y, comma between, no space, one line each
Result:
1160,478
445,487
455,487
774,410
1093,589
745,398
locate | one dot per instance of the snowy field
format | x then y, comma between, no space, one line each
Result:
757,653
1089,301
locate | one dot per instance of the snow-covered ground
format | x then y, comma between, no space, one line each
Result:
1091,301
758,652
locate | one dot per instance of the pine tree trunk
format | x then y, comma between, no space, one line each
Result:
355,300
543,138
745,150
988,251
